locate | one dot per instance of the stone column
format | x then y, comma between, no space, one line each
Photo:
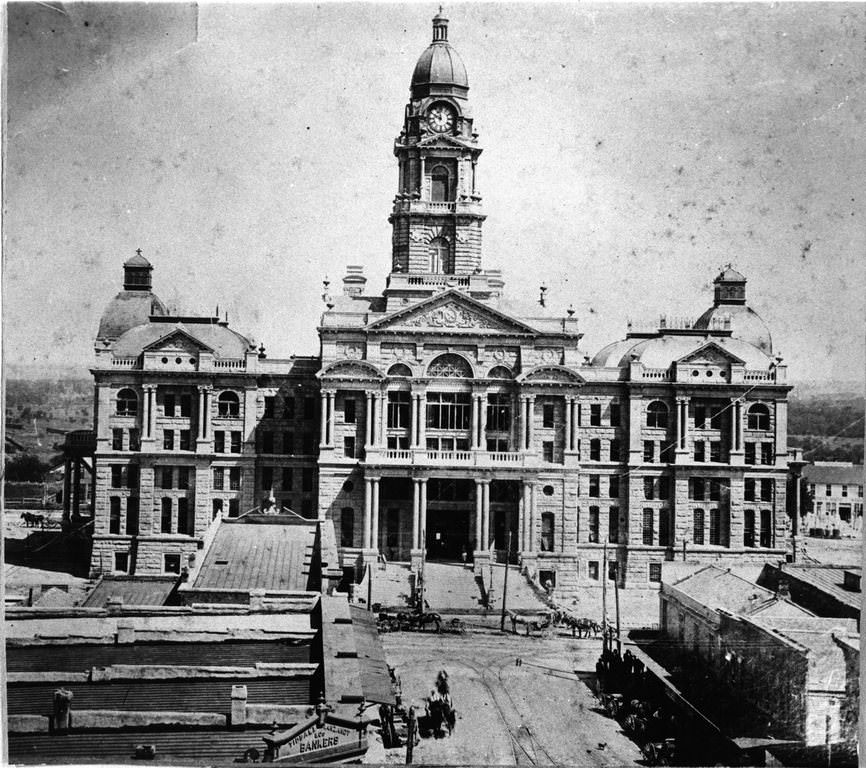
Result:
422,420
381,418
416,511
530,427
151,413
145,412
485,509
368,511
533,514
422,534
200,413
208,404
521,424
526,516
375,526
413,429
479,516
482,430
331,398
682,448
368,426
323,419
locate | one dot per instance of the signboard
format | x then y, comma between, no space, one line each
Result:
312,742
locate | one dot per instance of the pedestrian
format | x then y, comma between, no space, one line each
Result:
463,555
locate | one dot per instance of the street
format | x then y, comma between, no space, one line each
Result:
538,713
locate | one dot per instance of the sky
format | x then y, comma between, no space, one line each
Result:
630,151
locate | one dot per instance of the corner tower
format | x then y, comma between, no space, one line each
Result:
437,215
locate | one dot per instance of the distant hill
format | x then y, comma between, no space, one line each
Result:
827,427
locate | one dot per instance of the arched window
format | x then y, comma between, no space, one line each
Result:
440,256
759,417
499,372
439,184
450,367
127,403
657,415
347,527
228,404
399,369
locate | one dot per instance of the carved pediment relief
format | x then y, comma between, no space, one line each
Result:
178,341
551,374
351,350
351,369
711,354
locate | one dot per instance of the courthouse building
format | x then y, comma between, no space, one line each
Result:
438,417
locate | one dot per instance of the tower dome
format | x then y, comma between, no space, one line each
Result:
440,68
730,311
134,304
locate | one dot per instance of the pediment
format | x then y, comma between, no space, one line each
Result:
178,340
550,374
711,354
443,141
351,369
451,311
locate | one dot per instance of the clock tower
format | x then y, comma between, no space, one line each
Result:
437,214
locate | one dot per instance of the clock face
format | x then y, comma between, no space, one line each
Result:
440,118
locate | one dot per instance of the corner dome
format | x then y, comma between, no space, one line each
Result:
744,322
440,64
127,310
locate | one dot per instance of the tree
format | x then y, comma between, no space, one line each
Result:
25,467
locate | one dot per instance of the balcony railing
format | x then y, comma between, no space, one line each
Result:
124,362
455,458
659,374
759,376
234,365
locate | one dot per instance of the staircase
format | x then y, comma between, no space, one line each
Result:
521,597
452,588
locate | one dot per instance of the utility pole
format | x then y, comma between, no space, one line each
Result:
505,582
423,564
616,597
604,595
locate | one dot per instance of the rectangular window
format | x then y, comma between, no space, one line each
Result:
766,490
655,573
715,417
185,405
615,451
594,486
593,525
749,489
448,410
289,407
134,439
547,415
184,518
649,451
168,404
399,410
648,526
615,414
715,538
288,442
117,476
236,442
309,442
664,487
700,450
234,507
613,488
216,509
132,476
748,527
349,410
185,444
498,413
595,415
165,520
307,479
234,478
592,570
613,525
700,417
116,439
168,439
114,514
267,442
715,490
288,479
698,527
121,562
218,478
767,453
766,528
612,570
595,450
132,516
183,478
267,477
547,451
649,488
548,542
845,491
310,408
270,407
829,489
698,488
219,441
665,528
171,563
166,475
349,447
715,450
496,444
749,448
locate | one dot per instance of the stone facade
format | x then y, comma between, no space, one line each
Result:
439,419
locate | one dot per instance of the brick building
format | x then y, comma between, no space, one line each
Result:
441,417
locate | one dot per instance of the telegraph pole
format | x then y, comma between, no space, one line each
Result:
604,594
616,597
505,582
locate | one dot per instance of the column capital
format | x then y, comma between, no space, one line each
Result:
148,387
372,478
205,388
683,398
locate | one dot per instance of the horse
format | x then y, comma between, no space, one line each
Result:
585,625
32,521
421,620
537,624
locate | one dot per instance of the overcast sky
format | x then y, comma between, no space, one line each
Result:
629,152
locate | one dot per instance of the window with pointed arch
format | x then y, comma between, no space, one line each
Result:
440,184
441,261
127,403
657,414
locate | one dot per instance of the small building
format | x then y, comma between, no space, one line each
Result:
834,493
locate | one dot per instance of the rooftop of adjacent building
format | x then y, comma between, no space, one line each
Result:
841,583
834,472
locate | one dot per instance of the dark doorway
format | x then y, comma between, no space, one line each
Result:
447,534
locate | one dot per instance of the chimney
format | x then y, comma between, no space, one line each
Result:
354,281
239,705
783,589
62,710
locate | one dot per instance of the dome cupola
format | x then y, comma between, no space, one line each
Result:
135,304
440,70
